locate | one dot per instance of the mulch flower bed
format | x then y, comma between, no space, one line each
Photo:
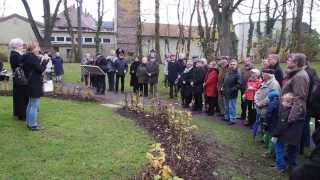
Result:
201,158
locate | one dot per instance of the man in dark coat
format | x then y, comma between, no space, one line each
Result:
274,63
20,97
231,85
185,83
310,170
153,73
173,74
298,85
57,61
101,79
313,77
198,80
133,72
121,66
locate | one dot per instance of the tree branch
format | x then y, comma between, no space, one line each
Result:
32,21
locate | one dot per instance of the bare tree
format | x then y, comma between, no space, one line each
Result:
283,26
297,31
49,21
207,32
181,28
139,30
100,10
310,16
157,27
250,33
70,31
79,12
223,12
271,19
190,29
259,33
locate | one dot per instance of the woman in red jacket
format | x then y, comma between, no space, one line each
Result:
210,88
253,84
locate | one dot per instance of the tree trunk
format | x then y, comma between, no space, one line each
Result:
100,9
283,26
298,25
259,33
139,30
80,31
49,20
250,33
70,31
227,38
190,30
157,28
310,16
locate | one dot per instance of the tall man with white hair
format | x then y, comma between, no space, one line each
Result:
20,97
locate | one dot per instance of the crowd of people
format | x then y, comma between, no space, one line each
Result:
144,73
276,104
31,69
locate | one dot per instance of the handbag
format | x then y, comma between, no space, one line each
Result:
48,86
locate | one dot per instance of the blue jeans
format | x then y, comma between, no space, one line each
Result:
32,112
230,109
279,151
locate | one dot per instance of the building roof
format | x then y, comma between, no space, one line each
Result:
87,21
168,30
19,17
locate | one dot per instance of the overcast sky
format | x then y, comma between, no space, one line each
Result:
168,10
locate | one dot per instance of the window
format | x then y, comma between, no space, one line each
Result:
68,39
95,40
61,39
105,40
52,38
88,40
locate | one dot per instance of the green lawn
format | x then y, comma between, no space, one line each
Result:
80,141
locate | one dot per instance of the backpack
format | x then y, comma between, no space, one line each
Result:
19,76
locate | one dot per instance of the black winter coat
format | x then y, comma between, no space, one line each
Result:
153,69
58,66
289,133
33,69
231,84
142,74
173,71
133,72
278,73
20,97
185,83
121,65
310,170
110,65
102,63
15,60
199,74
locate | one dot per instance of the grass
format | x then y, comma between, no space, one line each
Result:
81,141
